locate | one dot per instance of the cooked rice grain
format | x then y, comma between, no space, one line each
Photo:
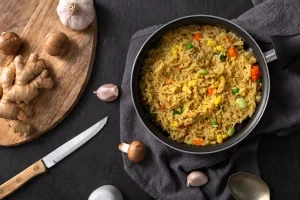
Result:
171,83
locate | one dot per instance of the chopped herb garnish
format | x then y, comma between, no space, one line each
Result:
153,116
176,112
259,80
223,58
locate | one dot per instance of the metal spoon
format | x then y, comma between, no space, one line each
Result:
244,186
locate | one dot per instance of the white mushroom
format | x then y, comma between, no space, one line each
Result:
136,151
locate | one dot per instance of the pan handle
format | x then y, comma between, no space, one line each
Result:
270,55
287,49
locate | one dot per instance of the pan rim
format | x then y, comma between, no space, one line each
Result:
257,118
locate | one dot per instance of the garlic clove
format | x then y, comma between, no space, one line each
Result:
197,178
107,92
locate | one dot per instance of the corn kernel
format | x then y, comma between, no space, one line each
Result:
225,136
218,100
233,63
219,48
184,88
174,124
219,139
176,47
192,83
222,79
244,94
211,43
205,143
216,84
174,51
213,142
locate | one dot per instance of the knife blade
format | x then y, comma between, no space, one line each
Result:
50,160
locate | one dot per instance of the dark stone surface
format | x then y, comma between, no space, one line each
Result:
99,162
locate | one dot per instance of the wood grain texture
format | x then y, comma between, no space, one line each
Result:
71,71
85,170
23,177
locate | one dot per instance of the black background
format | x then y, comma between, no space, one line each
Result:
99,162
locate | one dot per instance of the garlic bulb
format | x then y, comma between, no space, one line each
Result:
106,192
76,14
196,178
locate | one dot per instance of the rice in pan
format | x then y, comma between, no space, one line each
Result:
199,82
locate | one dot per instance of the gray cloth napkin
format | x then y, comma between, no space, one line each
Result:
163,172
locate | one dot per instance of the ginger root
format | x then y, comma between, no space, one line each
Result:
20,83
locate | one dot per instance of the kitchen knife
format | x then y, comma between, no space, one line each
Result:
50,160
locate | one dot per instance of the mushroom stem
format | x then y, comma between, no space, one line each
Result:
124,147
136,151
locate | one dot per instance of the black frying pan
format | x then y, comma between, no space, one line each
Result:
282,45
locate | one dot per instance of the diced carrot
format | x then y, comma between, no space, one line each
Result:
219,121
210,91
255,73
177,68
143,100
170,81
162,107
197,36
198,141
255,78
227,39
232,52
255,70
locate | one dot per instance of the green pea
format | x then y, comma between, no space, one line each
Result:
218,52
223,58
214,124
153,116
235,90
231,132
189,46
182,109
203,71
241,102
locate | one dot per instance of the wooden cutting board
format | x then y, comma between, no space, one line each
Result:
33,20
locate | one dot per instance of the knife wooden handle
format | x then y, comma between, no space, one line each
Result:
16,182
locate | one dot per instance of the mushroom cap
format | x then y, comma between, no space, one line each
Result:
55,42
136,151
10,43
